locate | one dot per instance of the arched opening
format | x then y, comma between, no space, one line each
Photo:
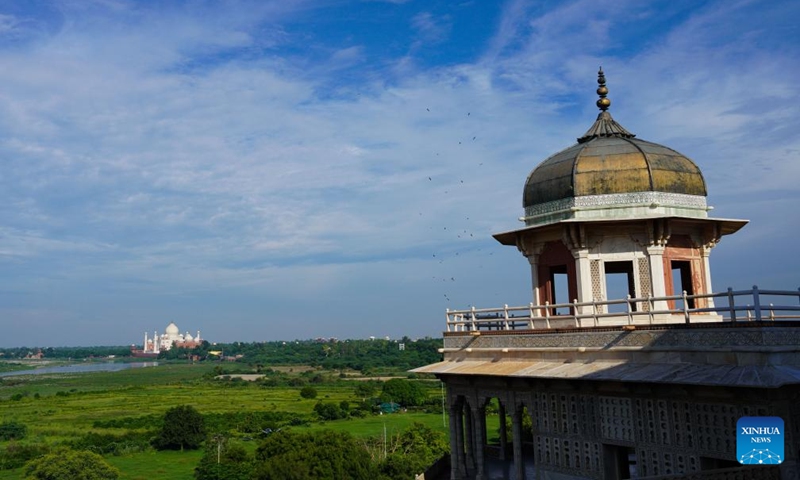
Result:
557,278
683,271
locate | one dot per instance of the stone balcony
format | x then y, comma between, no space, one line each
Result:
698,346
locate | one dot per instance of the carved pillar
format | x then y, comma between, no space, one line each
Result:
534,279
705,251
531,251
470,447
516,434
655,254
584,274
456,450
501,413
480,442
460,459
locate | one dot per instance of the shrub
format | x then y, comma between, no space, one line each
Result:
328,411
145,421
404,392
224,460
66,464
15,455
308,392
415,449
12,431
289,456
106,444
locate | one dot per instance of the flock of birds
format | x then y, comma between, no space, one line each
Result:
460,233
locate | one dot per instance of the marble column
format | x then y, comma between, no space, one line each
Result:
516,434
455,453
705,252
501,413
658,287
470,447
584,279
534,278
480,442
460,460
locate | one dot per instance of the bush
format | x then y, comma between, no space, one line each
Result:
15,456
416,449
12,431
105,444
224,460
131,423
289,456
183,429
296,382
404,392
328,411
308,392
66,464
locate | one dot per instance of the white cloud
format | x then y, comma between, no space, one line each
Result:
154,155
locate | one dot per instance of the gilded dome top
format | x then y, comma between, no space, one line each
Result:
609,167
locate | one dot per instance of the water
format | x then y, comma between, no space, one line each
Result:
82,368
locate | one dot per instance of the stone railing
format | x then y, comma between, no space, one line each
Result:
730,306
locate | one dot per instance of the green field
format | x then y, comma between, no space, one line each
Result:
61,408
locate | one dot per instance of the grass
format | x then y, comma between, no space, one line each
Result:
61,408
156,465
372,426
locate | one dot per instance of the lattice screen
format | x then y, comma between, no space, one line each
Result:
645,286
597,284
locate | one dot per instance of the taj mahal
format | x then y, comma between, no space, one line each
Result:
171,337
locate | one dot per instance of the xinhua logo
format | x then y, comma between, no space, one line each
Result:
759,440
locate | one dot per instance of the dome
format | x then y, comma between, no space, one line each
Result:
172,329
610,169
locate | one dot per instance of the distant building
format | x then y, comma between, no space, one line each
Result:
35,356
170,338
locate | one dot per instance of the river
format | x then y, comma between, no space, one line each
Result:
81,368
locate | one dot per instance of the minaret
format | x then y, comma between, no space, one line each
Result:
197,338
144,345
156,346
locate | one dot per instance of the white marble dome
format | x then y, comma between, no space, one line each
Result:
172,330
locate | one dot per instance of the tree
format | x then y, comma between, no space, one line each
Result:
224,460
306,456
416,449
365,390
404,392
183,429
64,464
308,392
329,411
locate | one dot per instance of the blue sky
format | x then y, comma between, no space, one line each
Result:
260,170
